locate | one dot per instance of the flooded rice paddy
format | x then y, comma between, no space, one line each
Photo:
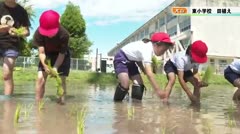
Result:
216,114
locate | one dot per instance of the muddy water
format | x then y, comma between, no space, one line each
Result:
215,115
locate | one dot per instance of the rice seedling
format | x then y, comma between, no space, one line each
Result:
207,126
73,110
231,120
41,105
27,109
19,31
17,114
207,75
131,112
81,121
55,75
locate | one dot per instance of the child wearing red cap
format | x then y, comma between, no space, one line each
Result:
52,41
181,64
12,16
140,53
232,74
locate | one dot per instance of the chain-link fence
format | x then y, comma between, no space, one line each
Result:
28,62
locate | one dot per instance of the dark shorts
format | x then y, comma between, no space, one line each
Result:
230,75
8,53
123,65
170,67
64,69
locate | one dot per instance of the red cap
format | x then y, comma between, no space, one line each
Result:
161,37
199,51
49,23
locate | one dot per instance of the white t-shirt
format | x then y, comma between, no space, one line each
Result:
139,51
183,62
235,66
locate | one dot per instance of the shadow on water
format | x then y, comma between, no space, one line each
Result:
216,113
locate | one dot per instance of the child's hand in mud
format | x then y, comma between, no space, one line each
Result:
202,84
194,99
161,94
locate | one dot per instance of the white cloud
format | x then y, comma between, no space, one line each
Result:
110,11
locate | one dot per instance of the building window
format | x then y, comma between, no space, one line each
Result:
170,17
161,21
172,31
156,25
146,31
212,62
222,62
185,42
185,25
186,3
142,35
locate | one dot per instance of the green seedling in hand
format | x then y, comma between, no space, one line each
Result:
19,31
55,75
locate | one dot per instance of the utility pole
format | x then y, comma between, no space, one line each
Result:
96,60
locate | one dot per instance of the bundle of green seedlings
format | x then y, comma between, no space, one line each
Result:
81,121
55,75
230,115
19,31
207,75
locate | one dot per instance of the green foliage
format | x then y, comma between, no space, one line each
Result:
73,21
79,46
155,64
207,75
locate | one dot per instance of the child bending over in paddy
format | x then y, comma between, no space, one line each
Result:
185,65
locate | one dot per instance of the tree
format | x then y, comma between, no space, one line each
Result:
73,21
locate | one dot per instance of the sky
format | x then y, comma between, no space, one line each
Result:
107,21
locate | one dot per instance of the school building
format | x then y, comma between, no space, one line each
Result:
221,33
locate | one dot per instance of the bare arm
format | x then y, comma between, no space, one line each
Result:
42,55
59,60
196,74
184,86
150,76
